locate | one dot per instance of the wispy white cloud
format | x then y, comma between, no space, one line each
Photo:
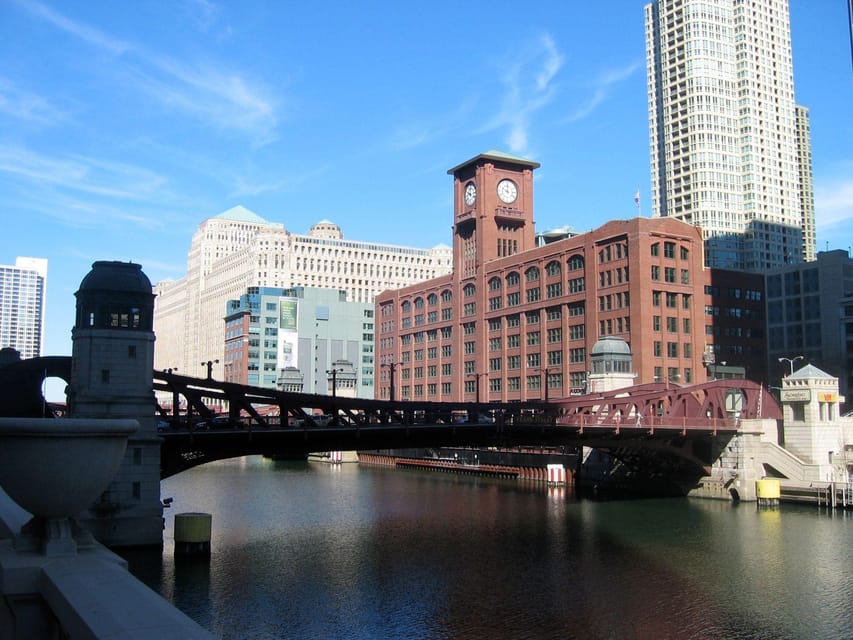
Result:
528,87
84,32
244,184
203,13
600,89
225,99
25,106
79,174
834,204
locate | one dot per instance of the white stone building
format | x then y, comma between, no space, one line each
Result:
729,147
238,249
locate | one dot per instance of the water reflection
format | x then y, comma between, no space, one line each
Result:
304,550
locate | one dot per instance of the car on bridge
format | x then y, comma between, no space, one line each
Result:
316,420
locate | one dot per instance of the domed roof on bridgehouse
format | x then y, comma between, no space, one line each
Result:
126,277
609,345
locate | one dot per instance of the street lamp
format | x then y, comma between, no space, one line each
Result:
545,387
791,362
476,377
209,364
392,367
334,373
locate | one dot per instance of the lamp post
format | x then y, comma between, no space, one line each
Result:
334,373
545,383
791,362
392,367
476,377
209,364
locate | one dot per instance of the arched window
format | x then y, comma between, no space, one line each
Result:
576,262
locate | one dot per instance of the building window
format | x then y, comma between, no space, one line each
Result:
495,324
533,294
494,344
554,290
555,335
494,364
672,349
533,360
513,299
513,362
513,321
669,250
469,290
553,268
513,341
669,274
658,349
554,313
575,263
555,358
656,323
672,324
532,274
655,272
513,279
655,249
495,284
533,338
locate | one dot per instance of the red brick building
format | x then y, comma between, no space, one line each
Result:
516,321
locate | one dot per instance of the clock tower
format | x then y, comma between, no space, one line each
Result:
493,210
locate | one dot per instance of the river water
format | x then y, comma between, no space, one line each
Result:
310,550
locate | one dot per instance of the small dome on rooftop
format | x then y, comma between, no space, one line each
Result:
610,345
116,276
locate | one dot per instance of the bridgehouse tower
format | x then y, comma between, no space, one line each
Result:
111,377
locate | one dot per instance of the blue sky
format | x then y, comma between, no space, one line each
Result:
123,125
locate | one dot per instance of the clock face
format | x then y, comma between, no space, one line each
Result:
507,191
470,193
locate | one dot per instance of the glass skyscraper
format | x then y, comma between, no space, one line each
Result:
22,300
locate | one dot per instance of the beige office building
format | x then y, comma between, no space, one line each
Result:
238,249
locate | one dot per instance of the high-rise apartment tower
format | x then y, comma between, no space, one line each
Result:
22,299
729,147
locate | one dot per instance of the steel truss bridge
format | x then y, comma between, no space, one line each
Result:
673,431
669,430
